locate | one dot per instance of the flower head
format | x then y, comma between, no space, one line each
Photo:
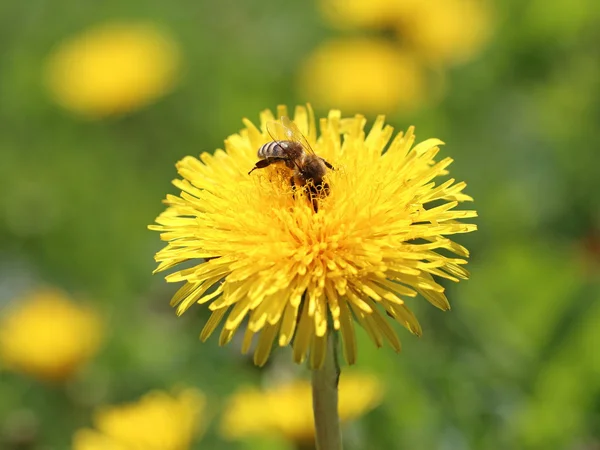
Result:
112,69
263,255
287,409
158,421
445,31
48,336
363,74
437,31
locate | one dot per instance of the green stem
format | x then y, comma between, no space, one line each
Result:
325,399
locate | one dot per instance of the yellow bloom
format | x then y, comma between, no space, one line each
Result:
157,421
48,336
439,31
287,409
112,69
270,258
445,31
362,74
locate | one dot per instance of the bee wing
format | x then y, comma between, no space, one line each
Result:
286,130
277,131
294,134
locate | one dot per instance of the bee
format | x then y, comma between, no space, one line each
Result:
290,148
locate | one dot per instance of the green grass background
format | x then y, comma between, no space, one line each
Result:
514,365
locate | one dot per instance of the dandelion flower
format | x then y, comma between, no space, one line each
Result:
262,257
48,336
287,409
445,31
363,74
112,69
158,421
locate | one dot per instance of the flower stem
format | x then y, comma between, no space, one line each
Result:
325,399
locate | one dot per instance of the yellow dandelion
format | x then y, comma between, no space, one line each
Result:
112,69
363,74
287,409
48,336
445,31
158,421
263,257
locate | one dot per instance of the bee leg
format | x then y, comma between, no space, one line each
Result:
313,196
261,164
315,205
329,166
294,187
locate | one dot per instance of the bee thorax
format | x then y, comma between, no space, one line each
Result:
312,167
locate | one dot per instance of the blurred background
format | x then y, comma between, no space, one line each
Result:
98,100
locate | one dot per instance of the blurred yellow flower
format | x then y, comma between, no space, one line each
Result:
436,31
48,336
112,69
261,252
287,409
158,421
445,31
362,74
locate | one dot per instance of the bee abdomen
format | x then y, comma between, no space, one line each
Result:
272,149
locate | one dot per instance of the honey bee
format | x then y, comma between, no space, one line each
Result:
290,148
